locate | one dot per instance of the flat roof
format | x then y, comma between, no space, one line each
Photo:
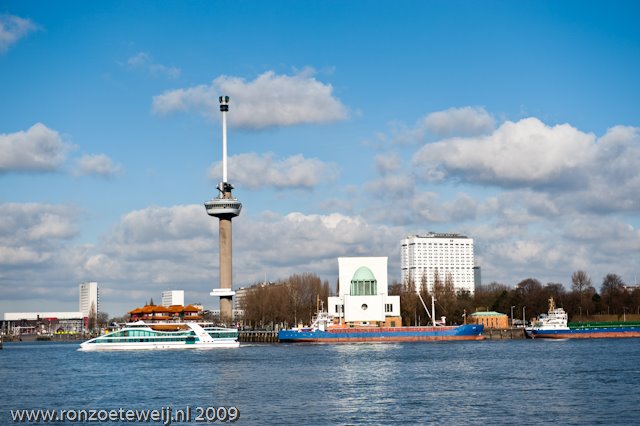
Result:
438,235
31,316
488,314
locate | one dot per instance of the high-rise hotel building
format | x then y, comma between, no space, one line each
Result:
89,298
441,255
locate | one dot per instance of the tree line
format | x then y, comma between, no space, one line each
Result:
527,299
295,299
287,302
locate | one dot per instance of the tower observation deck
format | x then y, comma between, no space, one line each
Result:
225,207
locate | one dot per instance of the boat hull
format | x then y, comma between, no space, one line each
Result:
155,346
392,334
586,333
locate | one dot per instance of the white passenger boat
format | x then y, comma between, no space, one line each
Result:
141,336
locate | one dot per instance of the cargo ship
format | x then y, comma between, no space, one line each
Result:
323,330
555,325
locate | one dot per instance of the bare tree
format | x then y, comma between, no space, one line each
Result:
423,292
395,289
613,292
530,293
93,317
492,295
409,302
102,319
445,295
555,290
288,301
580,283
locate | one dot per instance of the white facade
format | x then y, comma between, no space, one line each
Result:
89,298
442,255
362,293
173,297
34,316
238,301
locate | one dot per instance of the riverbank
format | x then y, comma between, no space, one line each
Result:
45,338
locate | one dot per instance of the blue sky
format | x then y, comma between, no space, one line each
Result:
352,125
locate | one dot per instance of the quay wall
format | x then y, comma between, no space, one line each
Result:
503,333
258,336
489,334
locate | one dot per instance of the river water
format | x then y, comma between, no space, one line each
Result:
570,382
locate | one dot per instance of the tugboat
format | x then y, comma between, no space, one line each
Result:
553,323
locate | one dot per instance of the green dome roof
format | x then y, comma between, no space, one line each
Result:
363,274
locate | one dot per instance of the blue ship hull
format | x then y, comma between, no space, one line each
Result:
384,334
586,333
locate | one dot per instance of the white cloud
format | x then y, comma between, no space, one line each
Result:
388,163
570,170
160,248
98,165
41,149
156,249
144,61
37,149
269,100
298,242
161,224
391,186
614,178
465,121
37,255
257,171
12,29
165,247
460,121
555,248
401,134
428,206
523,153
36,223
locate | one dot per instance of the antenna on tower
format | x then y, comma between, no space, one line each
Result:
225,204
224,186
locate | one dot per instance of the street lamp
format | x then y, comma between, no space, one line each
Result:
512,315
524,321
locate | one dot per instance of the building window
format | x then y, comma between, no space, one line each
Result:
364,307
388,307
364,283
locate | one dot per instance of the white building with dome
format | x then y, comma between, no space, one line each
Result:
362,293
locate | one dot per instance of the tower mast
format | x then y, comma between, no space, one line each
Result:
225,207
